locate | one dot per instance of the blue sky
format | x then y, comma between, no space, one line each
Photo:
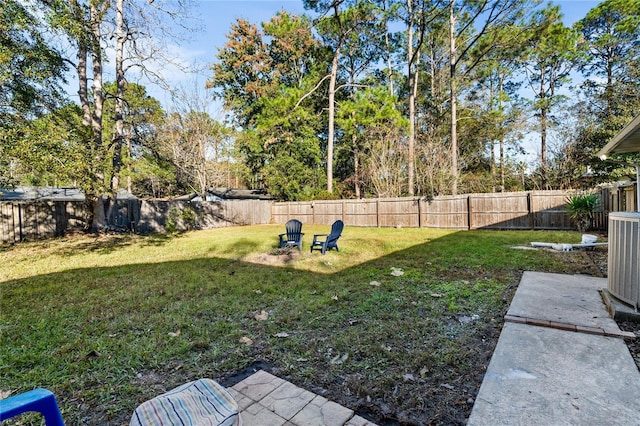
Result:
216,17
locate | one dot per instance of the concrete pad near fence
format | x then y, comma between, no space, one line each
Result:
565,299
551,367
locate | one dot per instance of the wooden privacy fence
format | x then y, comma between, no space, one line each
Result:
20,221
512,210
34,220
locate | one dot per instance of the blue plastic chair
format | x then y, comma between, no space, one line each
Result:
331,240
293,236
38,400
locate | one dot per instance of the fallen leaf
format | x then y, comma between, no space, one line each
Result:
338,359
375,283
262,316
258,291
246,341
408,378
4,394
174,334
282,334
448,386
437,295
93,354
424,371
396,272
335,297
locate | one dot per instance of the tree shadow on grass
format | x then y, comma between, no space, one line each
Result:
391,347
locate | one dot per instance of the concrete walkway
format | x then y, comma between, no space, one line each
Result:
560,359
267,400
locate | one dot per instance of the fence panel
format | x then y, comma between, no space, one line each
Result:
509,210
8,219
155,216
363,212
448,212
549,210
327,211
398,212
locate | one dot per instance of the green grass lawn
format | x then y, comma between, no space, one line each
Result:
108,322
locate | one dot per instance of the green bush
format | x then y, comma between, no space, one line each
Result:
581,209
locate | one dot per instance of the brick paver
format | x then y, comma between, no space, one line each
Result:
267,400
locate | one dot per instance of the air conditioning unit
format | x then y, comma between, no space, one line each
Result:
623,280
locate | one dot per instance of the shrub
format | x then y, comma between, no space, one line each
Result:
581,209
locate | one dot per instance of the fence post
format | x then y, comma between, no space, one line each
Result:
469,213
378,212
419,212
532,214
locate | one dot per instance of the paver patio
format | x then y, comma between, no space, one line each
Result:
267,400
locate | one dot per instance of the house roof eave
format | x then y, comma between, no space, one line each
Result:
628,140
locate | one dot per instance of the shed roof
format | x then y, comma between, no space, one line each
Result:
30,193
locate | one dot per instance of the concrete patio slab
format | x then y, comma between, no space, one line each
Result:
551,367
545,376
567,299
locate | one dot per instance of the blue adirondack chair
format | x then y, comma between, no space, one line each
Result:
293,236
39,400
330,241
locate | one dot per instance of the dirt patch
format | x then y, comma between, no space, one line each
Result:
274,259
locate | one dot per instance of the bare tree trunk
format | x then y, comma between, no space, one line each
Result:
492,144
118,135
389,68
412,104
543,131
388,52
332,112
356,167
453,99
99,218
501,133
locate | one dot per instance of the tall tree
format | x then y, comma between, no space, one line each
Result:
31,73
87,25
371,120
340,20
267,80
610,38
549,60
471,22
417,17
